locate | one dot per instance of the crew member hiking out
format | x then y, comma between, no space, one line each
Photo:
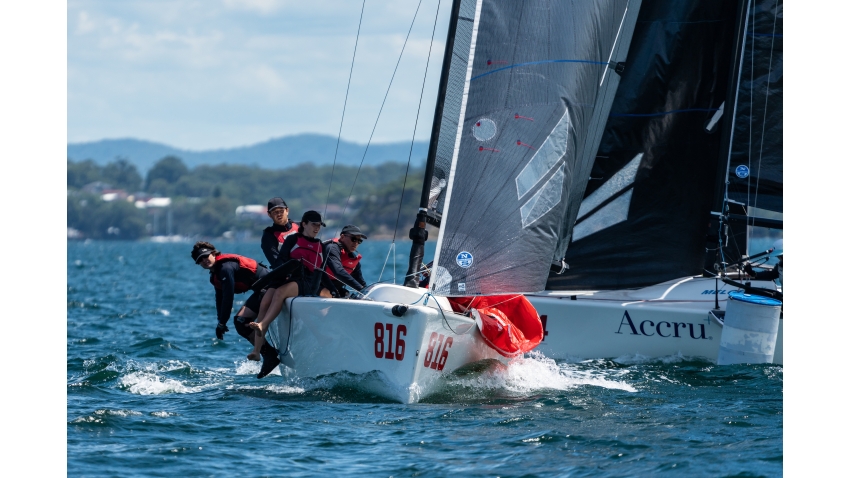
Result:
232,274
774,274
343,262
274,235
305,247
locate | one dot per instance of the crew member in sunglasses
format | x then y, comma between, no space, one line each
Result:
342,265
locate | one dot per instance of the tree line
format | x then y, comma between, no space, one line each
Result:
204,199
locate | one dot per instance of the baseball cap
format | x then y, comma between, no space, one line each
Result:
353,230
276,202
312,216
198,254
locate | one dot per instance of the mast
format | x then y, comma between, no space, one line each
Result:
418,234
731,100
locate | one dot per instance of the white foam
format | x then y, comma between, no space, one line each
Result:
147,383
117,413
249,367
163,414
164,312
275,388
536,372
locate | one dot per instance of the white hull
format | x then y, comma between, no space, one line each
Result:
667,319
340,335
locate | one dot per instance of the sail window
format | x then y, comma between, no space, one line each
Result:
615,212
552,150
619,181
544,200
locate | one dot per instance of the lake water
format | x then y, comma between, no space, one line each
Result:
151,392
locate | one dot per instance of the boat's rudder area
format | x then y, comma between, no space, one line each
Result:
750,329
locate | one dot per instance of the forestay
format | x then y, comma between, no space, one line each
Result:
529,88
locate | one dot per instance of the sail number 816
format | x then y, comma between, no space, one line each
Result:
387,351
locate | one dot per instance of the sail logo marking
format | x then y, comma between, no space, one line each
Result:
742,171
484,129
464,259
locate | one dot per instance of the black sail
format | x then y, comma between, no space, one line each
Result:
646,208
528,91
755,161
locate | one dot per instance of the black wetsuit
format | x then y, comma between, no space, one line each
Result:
270,244
228,274
770,274
333,263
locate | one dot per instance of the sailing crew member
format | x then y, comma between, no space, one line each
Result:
774,274
274,235
343,262
232,274
303,246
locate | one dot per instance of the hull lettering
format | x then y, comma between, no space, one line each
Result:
648,328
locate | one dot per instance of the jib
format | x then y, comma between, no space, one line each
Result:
662,329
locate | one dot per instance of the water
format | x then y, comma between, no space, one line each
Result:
151,392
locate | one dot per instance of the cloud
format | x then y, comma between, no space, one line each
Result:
84,23
261,6
205,74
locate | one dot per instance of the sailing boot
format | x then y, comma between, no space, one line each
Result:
270,360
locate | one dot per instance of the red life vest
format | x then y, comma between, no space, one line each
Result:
244,263
348,262
281,235
309,252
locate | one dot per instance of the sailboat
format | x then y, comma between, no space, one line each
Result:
689,169
524,94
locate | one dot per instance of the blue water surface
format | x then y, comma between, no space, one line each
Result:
152,392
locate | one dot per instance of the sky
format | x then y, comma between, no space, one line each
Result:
225,73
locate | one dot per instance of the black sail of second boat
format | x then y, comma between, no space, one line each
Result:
527,93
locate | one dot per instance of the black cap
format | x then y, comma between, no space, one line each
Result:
353,230
275,203
198,254
312,216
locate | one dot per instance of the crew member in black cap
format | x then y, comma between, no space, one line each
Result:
274,235
343,262
303,246
233,274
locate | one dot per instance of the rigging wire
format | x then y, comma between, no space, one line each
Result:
415,124
382,108
344,104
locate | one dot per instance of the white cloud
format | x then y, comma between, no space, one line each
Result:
261,6
84,23
220,74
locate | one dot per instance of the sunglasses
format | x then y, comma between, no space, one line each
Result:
355,240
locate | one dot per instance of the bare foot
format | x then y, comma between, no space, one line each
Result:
254,356
257,326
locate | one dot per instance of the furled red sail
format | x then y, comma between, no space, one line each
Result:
509,324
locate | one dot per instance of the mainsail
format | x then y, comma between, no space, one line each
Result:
527,88
755,157
646,209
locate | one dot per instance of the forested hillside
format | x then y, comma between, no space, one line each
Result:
114,200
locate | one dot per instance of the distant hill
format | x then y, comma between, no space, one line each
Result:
276,153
